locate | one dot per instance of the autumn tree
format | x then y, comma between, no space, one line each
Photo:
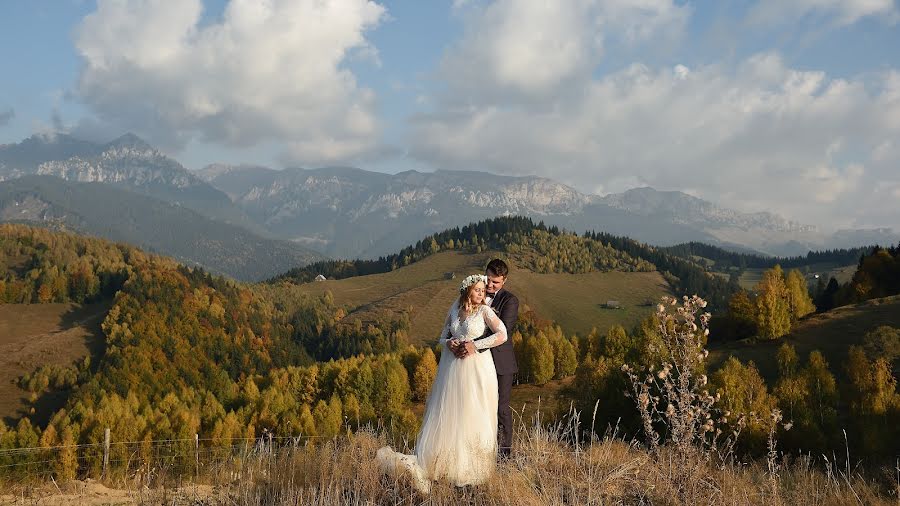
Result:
328,417
564,355
823,393
743,393
66,465
773,317
873,400
424,374
537,361
883,341
799,301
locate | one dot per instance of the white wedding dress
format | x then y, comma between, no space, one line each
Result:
458,439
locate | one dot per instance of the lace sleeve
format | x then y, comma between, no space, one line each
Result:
497,327
445,332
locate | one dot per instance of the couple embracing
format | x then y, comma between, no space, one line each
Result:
468,420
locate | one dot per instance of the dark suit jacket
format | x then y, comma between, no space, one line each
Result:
506,305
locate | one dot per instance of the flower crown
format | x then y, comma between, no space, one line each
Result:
471,280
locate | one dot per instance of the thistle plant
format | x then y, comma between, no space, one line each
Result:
673,396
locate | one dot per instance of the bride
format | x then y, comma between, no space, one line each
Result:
458,439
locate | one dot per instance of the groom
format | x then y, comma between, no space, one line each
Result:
506,305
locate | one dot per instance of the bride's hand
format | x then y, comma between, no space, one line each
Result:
457,347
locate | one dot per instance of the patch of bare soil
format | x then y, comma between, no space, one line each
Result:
92,493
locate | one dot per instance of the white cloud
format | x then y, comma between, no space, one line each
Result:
271,70
522,50
755,136
839,12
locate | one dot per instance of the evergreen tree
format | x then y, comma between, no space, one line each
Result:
827,300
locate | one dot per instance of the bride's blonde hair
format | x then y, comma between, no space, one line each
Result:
465,295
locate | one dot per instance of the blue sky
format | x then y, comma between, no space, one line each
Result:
791,106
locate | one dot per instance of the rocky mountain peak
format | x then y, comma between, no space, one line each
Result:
130,141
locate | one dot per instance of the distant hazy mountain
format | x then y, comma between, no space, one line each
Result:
688,210
120,215
127,162
764,232
349,212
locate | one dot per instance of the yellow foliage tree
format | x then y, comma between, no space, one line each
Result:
423,377
772,307
799,301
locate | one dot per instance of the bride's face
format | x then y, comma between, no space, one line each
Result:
476,296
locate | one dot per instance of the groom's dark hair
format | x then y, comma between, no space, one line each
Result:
497,267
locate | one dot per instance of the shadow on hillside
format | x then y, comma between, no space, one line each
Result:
89,317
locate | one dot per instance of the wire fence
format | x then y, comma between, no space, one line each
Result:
146,460
153,460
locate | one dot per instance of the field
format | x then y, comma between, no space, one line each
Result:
32,335
574,301
577,301
832,333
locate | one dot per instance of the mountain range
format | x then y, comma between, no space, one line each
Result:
128,191
348,212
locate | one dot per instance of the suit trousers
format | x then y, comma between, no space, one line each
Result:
504,413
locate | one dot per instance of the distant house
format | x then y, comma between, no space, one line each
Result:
449,275
320,278
613,304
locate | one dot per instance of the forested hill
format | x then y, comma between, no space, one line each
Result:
163,227
39,265
540,249
724,259
187,352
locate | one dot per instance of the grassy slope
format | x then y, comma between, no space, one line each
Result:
832,333
573,300
576,301
420,286
32,335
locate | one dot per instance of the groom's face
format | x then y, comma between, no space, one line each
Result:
495,282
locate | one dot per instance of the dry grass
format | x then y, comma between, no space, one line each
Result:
549,467
548,470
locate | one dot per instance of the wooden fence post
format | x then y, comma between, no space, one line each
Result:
197,452
105,452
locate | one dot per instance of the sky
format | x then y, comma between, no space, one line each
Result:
787,106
